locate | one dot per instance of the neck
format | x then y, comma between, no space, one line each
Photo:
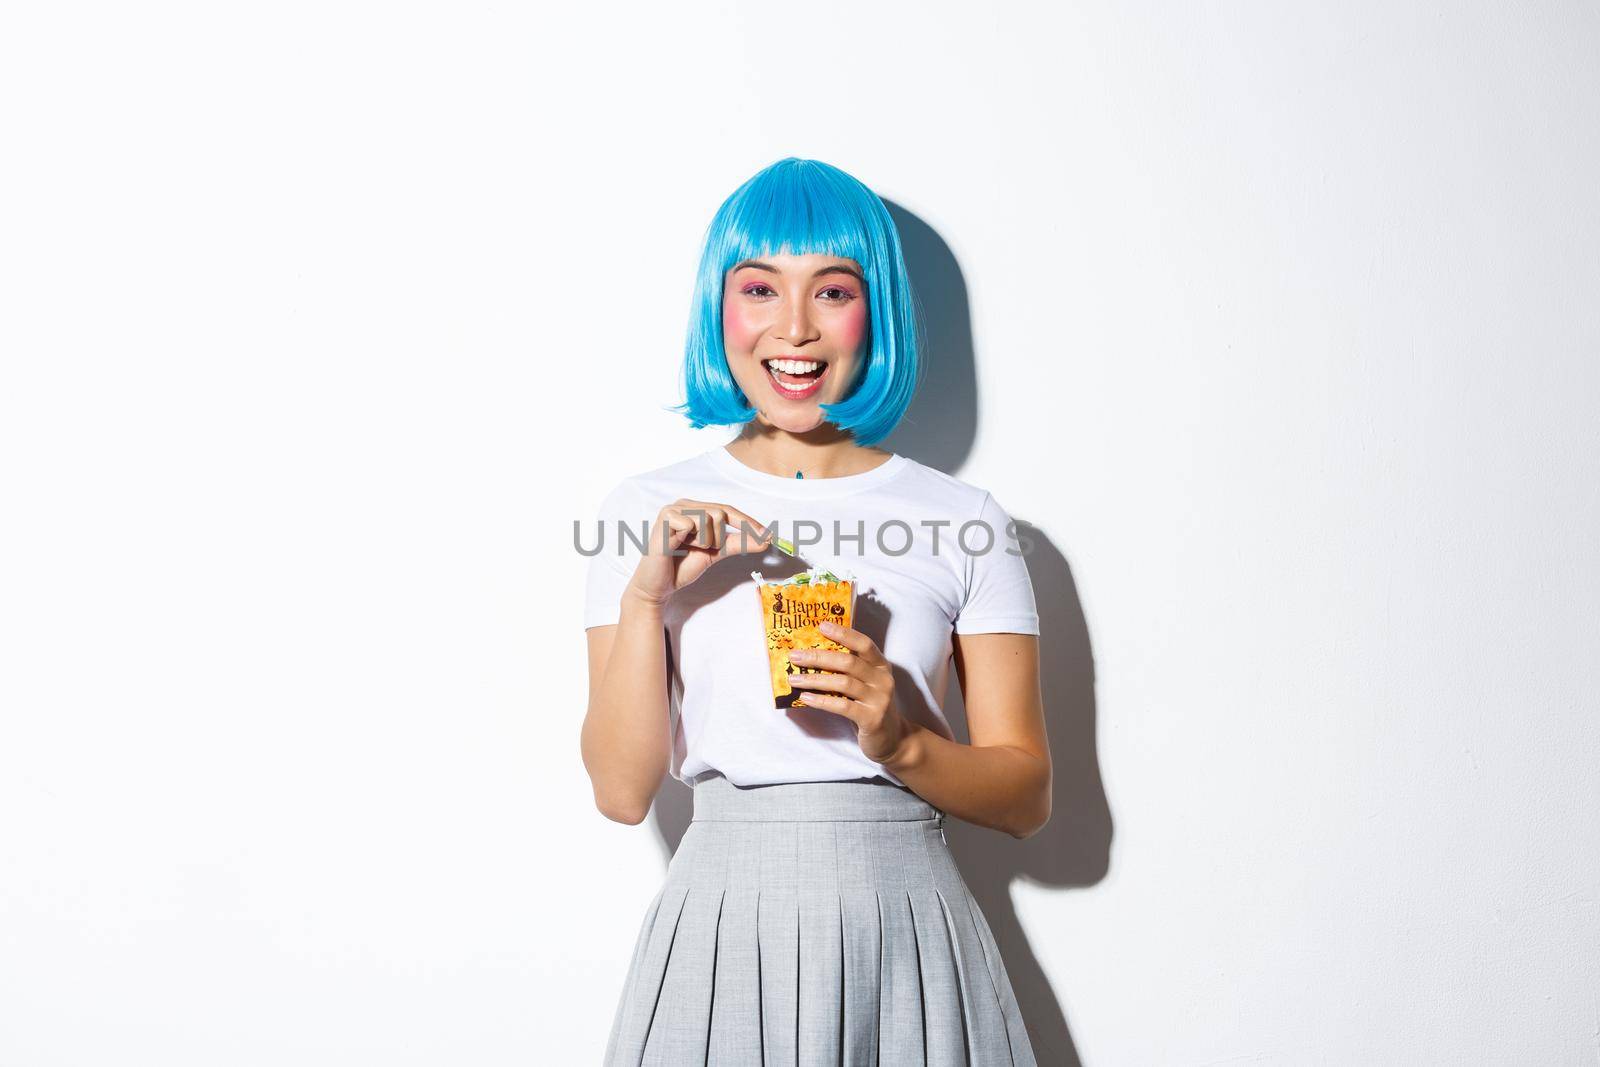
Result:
821,453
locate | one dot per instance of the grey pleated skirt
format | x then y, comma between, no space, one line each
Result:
815,923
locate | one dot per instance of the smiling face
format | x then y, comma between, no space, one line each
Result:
795,332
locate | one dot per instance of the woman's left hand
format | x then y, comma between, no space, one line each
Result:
860,687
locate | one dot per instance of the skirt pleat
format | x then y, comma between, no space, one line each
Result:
943,1024
1016,1031
979,997
679,1031
778,945
900,1019
815,923
861,948
736,1005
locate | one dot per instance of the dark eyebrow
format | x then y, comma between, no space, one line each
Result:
839,269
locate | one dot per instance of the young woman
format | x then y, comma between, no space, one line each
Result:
812,913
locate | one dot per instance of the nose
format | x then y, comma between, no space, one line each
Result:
795,325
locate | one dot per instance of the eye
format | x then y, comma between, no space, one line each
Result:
757,289
837,293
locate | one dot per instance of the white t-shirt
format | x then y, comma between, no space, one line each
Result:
909,602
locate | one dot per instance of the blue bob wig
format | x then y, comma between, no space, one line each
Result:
805,207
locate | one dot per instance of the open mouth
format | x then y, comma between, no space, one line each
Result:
795,378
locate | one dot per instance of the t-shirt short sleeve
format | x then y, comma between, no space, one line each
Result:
608,571
999,592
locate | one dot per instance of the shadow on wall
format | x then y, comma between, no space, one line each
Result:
1074,848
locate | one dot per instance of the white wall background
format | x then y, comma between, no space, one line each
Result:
321,322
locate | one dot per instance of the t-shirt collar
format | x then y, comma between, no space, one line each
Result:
805,488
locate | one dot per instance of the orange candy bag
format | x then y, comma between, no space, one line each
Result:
790,612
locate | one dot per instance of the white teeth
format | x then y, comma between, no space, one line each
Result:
786,386
793,366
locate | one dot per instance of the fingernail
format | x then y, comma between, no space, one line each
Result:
828,627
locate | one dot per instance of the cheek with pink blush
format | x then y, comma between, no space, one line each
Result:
850,328
742,326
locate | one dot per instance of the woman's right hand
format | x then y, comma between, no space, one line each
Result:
697,529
